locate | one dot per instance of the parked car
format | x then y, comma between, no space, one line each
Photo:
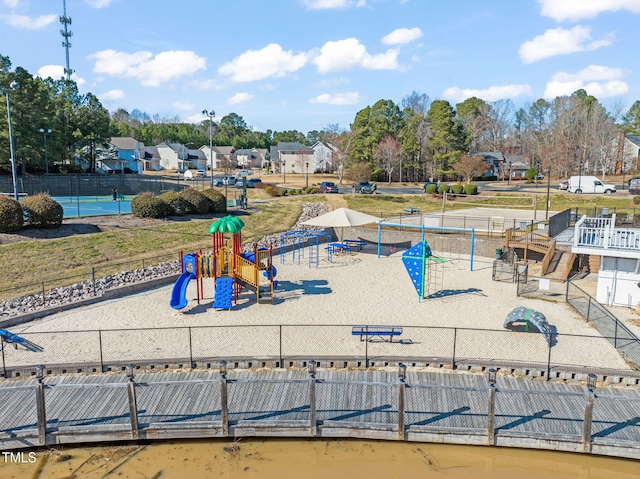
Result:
589,184
539,177
564,185
201,174
429,183
328,187
240,182
364,187
252,182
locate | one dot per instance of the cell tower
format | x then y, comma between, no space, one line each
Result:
66,34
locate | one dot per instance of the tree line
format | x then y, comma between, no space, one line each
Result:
414,140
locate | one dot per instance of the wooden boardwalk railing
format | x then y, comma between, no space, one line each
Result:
374,404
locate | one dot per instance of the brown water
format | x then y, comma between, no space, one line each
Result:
326,459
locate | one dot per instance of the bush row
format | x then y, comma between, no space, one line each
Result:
170,203
274,190
456,189
38,211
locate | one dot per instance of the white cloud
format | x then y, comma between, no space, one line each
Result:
599,81
402,35
331,82
574,10
493,93
271,61
344,55
559,41
28,23
98,3
333,4
143,66
182,105
56,72
12,3
239,98
112,95
349,98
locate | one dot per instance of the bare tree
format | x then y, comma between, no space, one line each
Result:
470,166
389,152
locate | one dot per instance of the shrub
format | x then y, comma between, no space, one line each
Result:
217,201
146,205
457,189
636,200
176,203
271,190
11,218
443,188
431,189
471,189
42,211
197,203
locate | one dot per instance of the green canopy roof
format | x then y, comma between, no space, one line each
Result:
228,224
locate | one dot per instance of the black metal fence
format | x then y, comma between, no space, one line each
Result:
627,343
283,345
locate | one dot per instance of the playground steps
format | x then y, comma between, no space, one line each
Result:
560,265
264,292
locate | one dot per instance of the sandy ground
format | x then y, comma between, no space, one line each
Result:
315,309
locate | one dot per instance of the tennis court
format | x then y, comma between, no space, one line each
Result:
75,206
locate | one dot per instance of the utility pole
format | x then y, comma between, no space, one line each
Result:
66,34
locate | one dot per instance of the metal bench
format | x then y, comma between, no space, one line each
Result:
382,332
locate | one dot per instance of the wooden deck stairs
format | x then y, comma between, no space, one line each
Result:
555,264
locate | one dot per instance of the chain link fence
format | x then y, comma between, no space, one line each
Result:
187,347
86,185
45,292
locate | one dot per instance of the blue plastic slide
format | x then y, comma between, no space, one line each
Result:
179,292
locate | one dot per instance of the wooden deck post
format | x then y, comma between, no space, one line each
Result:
491,410
588,413
224,401
40,406
402,375
313,424
133,403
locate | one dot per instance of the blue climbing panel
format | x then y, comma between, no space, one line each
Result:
224,294
413,260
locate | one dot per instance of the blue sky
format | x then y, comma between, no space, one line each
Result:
302,64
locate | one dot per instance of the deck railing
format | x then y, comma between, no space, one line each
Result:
392,405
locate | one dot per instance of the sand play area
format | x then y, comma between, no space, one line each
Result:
313,312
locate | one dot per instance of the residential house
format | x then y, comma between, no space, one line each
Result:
495,162
515,166
174,156
127,154
150,158
291,157
223,156
614,254
322,157
631,153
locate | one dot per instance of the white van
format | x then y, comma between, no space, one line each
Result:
589,184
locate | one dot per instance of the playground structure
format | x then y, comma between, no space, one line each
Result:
228,266
301,239
425,269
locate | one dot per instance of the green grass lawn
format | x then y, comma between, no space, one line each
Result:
69,260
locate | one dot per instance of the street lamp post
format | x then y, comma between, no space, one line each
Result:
284,171
46,132
210,114
14,176
509,177
307,182
548,173
580,176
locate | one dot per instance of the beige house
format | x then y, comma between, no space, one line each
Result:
292,157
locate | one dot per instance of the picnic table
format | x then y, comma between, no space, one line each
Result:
382,332
338,247
358,244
